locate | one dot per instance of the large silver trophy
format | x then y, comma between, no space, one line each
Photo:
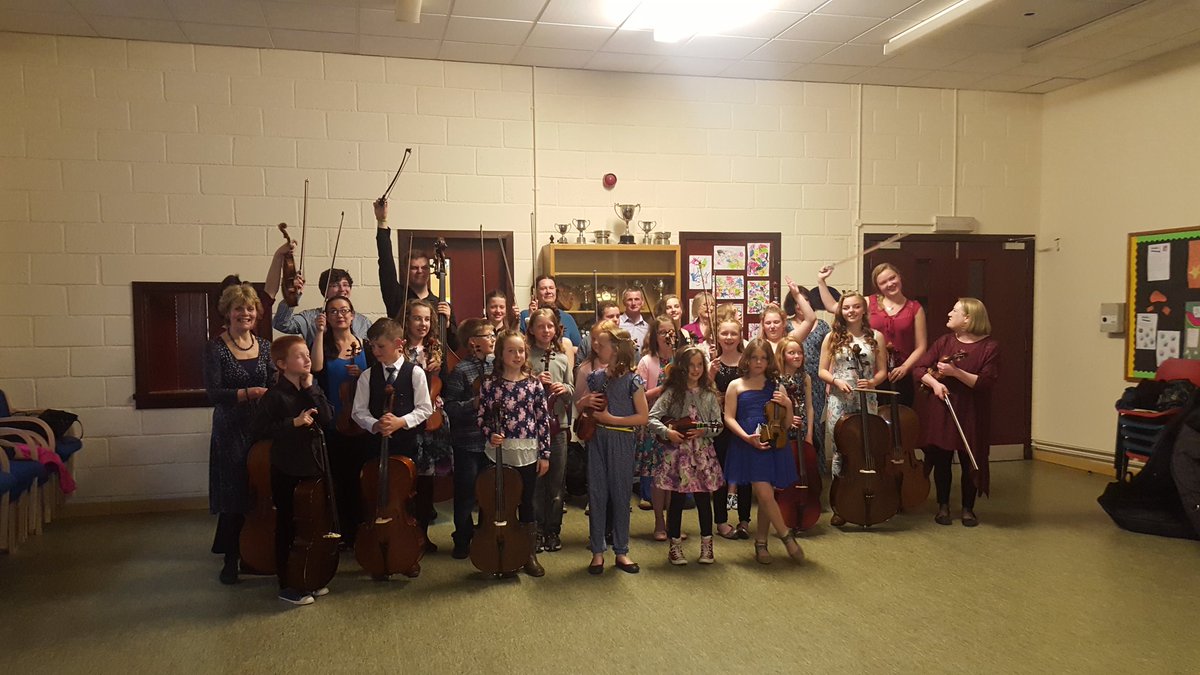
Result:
627,212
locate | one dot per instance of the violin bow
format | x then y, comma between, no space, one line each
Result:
407,285
890,240
333,260
508,279
303,228
975,477
403,161
483,271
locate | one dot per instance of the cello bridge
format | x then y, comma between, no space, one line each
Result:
867,471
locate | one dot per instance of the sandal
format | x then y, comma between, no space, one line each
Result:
743,530
761,554
793,547
969,519
943,516
726,530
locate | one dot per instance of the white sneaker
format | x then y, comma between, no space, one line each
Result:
320,592
295,597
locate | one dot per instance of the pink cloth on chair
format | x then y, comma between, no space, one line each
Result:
49,458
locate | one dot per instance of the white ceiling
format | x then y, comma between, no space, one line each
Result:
812,40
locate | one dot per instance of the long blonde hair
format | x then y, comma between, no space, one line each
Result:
839,335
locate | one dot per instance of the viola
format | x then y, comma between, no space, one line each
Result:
686,424
800,502
948,358
774,431
345,423
290,295
390,542
903,465
585,424
257,540
433,354
313,559
501,545
863,495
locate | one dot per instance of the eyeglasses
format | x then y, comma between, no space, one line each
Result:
665,333
341,311
485,336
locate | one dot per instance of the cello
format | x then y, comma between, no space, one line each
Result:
800,503
863,495
391,542
313,559
256,543
903,465
501,546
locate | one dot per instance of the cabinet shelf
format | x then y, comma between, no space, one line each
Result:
574,265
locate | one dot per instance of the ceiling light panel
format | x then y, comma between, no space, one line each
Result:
611,13
518,10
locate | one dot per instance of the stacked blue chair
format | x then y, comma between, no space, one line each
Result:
28,480
64,445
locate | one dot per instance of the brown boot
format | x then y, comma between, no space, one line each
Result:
533,568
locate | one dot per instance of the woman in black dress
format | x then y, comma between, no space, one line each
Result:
237,371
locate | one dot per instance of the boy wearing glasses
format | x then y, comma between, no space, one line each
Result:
460,397
336,282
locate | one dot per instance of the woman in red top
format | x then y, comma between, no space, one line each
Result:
902,322
966,363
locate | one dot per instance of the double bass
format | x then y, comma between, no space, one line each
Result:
863,494
389,540
800,502
313,559
501,545
437,347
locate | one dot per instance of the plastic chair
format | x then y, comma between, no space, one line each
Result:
1138,430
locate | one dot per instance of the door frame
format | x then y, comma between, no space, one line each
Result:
1023,450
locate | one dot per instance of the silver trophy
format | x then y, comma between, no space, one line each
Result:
646,226
562,231
581,225
627,212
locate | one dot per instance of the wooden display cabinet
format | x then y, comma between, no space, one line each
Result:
615,267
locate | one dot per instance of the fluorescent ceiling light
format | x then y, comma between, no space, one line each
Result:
933,24
408,11
675,20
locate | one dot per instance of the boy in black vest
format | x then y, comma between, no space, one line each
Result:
290,414
412,405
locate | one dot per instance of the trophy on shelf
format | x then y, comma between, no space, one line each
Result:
646,226
626,212
562,231
581,225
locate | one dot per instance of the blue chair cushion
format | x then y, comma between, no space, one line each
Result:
65,446
8,483
25,472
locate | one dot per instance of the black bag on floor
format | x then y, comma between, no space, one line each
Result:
575,477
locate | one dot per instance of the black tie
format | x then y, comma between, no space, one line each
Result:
391,375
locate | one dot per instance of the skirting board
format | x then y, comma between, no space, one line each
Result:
1075,457
73,509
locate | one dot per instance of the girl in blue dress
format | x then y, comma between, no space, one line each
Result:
752,461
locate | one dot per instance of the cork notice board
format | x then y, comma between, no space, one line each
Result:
1163,300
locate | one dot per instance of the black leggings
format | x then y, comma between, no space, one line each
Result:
941,461
703,513
283,491
720,512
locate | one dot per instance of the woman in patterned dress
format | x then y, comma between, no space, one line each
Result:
237,371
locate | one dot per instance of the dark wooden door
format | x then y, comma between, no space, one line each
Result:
939,269
464,253
750,279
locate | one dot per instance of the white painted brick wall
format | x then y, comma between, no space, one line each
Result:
127,161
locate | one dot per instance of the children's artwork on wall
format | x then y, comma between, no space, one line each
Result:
699,272
730,287
1168,345
729,257
758,295
753,330
758,260
1162,299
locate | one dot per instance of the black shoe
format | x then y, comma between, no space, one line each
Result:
229,573
596,569
430,547
629,567
461,552
552,542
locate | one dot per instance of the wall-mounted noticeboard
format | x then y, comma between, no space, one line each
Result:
1163,300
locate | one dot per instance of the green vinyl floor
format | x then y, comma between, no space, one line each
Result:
1046,584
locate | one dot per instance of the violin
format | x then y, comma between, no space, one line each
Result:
686,424
257,540
391,542
936,374
863,495
345,424
903,465
501,545
434,354
313,559
290,295
585,424
800,502
774,431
